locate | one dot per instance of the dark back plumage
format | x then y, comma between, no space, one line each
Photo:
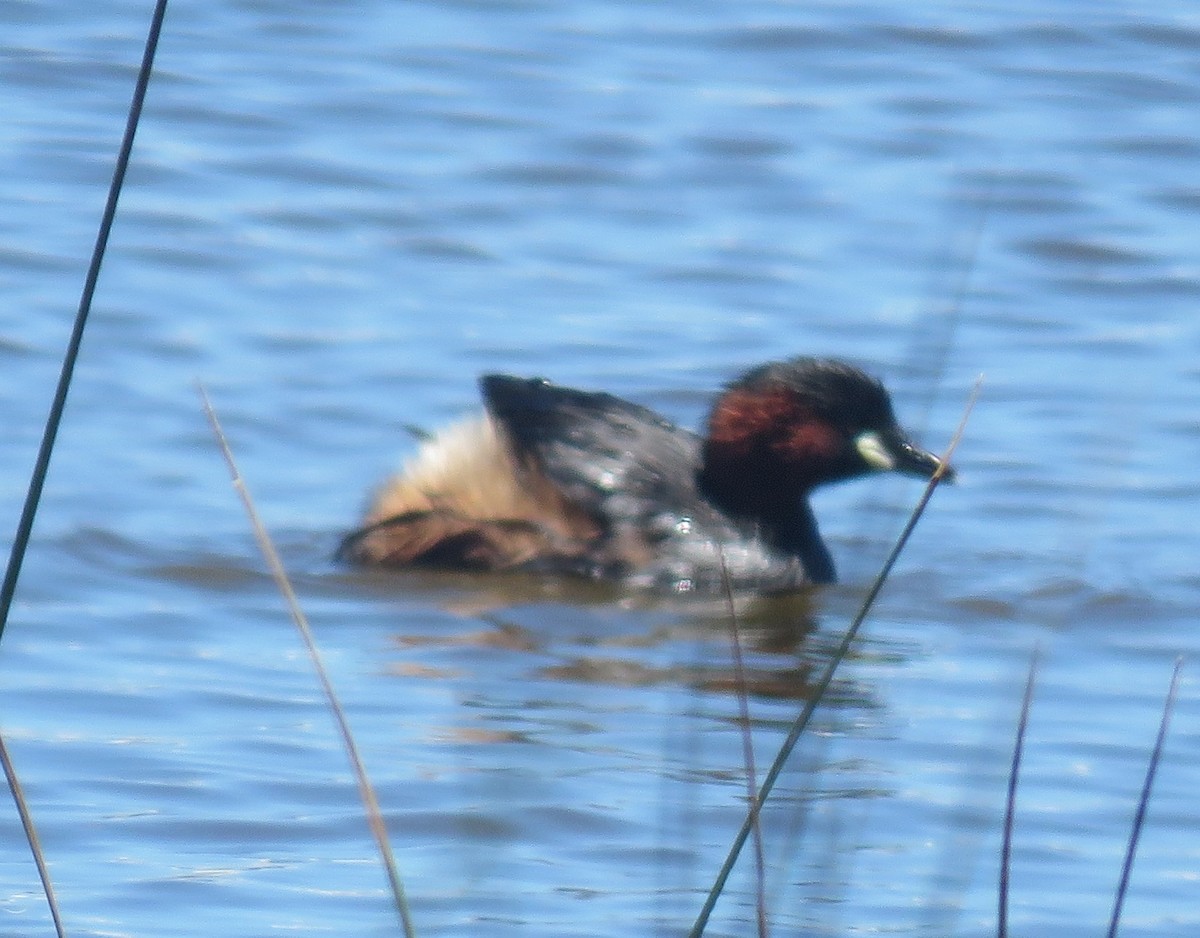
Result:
588,483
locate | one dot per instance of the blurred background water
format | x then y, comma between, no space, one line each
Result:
338,215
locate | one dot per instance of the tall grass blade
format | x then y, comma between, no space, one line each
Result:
1144,799
37,479
822,685
743,696
1010,802
31,837
365,789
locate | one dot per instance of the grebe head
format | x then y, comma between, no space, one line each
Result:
784,428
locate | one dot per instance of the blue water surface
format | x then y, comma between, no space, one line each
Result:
339,215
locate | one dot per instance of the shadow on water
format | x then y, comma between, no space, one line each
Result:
597,634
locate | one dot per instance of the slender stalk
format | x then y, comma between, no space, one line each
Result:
365,789
31,837
1144,799
743,695
822,685
1010,802
37,479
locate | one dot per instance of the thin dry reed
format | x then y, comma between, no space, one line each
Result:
365,789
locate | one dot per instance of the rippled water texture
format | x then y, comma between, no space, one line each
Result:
340,214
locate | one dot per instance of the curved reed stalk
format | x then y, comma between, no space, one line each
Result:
365,789
822,685
1010,802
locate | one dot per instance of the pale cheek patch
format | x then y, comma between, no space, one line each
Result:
871,448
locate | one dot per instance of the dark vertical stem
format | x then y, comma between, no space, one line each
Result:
801,722
1010,802
1144,799
38,478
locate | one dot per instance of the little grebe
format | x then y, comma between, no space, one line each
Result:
551,478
